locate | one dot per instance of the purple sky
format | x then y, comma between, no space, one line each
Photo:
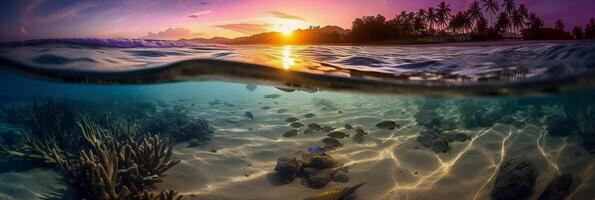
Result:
174,19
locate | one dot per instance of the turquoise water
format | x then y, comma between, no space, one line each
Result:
500,122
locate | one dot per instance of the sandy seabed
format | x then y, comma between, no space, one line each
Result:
239,160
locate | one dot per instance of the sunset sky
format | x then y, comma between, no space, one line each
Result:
175,19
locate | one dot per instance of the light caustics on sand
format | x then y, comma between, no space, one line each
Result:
540,142
495,166
444,169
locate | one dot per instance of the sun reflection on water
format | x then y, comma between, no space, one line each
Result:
287,59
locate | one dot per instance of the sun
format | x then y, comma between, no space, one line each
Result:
286,32
287,27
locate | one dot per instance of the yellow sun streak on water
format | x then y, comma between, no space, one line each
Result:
496,166
540,142
287,60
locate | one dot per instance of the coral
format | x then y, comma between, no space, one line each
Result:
114,169
120,161
477,113
178,125
195,128
152,155
163,195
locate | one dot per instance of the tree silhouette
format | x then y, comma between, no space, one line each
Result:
559,25
502,23
492,7
523,11
444,11
432,17
518,20
577,31
474,11
590,30
369,29
460,23
419,22
509,7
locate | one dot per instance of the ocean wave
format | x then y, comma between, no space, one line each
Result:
104,42
442,71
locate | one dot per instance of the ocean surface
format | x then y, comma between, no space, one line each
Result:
410,122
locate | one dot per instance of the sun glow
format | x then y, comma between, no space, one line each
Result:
287,32
286,27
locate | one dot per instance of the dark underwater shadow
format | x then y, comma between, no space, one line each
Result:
14,165
274,179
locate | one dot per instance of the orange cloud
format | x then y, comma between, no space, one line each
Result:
286,16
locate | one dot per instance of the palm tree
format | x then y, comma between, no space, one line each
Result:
492,7
456,24
419,24
535,22
577,31
481,26
509,6
474,11
443,13
502,23
518,20
467,22
523,11
421,13
559,25
431,17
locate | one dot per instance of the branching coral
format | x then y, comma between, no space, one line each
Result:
121,161
178,125
115,169
151,155
163,195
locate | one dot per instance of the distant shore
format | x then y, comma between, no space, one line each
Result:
437,44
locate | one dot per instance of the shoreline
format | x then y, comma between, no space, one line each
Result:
438,44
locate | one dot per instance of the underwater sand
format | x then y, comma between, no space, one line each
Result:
392,163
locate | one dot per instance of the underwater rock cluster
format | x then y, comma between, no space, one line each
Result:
515,180
517,177
105,150
437,131
317,170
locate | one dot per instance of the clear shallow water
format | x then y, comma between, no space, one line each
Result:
455,148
